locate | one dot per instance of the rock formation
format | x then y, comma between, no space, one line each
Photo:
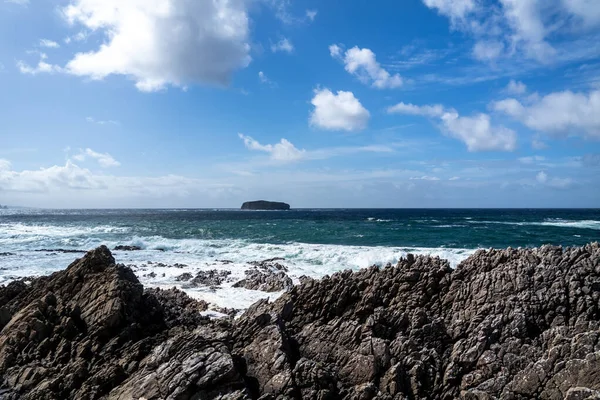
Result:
265,205
506,324
267,276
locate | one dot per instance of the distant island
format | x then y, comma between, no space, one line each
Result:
3,207
265,205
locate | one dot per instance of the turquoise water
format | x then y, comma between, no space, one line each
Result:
313,242
375,227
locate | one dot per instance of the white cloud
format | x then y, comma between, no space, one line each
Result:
78,37
18,2
524,16
521,28
477,131
436,110
456,10
41,67
541,177
5,165
341,111
49,44
104,159
558,183
488,50
284,45
531,159
284,151
587,10
424,178
92,120
264,79
363,64
311,14
516,87
538,144
559,113
159,43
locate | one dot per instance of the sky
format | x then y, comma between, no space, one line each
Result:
387,103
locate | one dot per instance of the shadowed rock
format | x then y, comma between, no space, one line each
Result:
506,324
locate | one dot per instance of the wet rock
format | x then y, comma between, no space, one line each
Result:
7,254
127,248
211,279
186,276
265,281
60,251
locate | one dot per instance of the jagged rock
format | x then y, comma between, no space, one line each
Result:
212,278
270,265
81,332
186,276
265,281
6,254
127,248
506,324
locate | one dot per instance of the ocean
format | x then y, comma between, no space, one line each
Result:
313,243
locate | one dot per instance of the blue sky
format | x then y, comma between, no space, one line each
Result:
413,103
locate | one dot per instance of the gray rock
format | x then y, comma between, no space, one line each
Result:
506,324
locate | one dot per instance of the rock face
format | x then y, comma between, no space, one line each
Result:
267,276
506,324
265,205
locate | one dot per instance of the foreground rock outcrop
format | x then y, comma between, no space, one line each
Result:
506,324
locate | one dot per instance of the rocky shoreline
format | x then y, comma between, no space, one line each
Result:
505,324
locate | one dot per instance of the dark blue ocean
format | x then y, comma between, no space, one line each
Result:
313,242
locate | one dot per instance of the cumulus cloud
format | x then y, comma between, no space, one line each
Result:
284,151
341,111
311,14
477,131
284,45
158,43
516,87
41,67
363,64
456,10
104,159
51,44
5,165
558,113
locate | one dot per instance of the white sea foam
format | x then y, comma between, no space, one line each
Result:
314,260
560,223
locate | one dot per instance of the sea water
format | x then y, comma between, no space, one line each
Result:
313,243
